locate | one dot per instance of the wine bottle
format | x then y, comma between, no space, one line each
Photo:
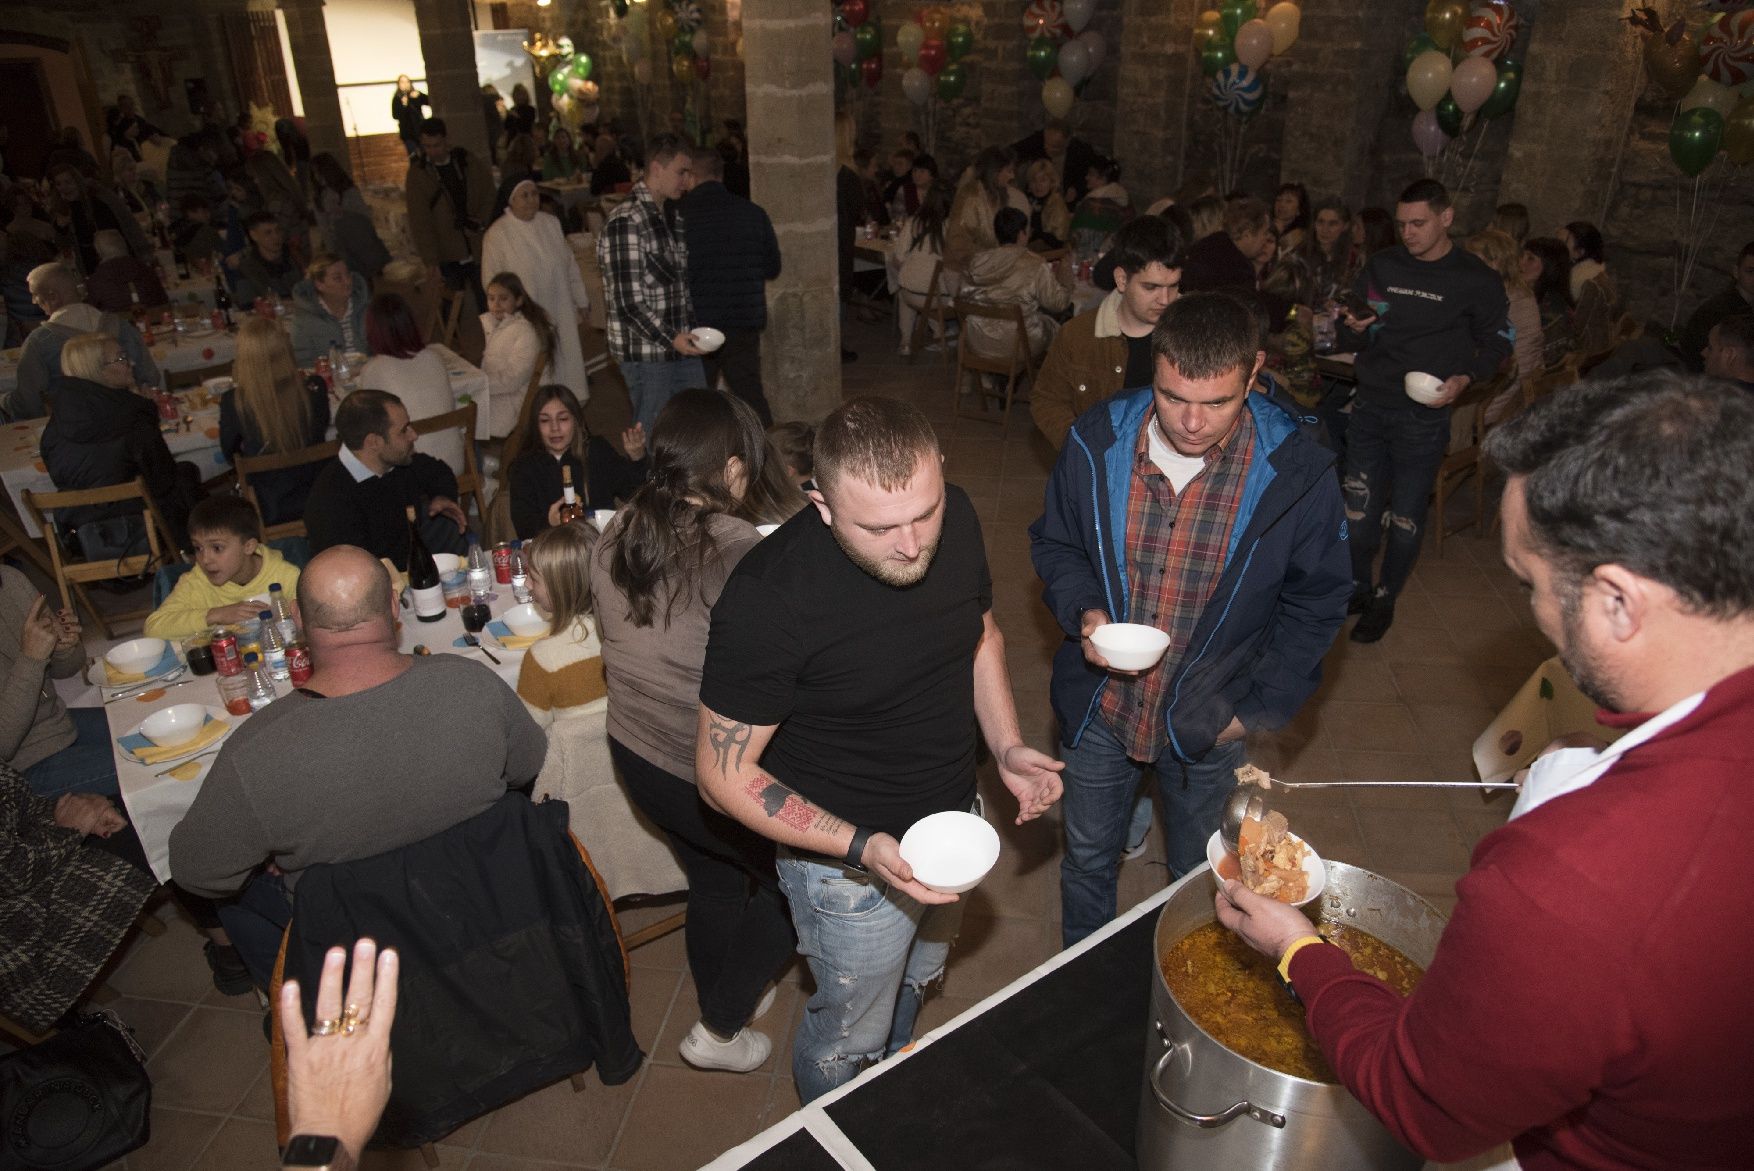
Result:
221,298
570,508
423,576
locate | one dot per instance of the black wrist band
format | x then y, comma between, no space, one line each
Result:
856,849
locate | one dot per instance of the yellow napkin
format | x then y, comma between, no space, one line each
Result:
117,678
210,732
187,771
517,642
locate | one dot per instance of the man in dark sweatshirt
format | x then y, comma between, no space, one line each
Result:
732,254
1435,309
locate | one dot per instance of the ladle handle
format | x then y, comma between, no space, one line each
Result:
1206,1121
1395,784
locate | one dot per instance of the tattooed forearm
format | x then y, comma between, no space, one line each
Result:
729,741
783,805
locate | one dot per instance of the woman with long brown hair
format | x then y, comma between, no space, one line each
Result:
552,436
521,342
272,409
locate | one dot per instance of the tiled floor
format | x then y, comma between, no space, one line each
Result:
1407,707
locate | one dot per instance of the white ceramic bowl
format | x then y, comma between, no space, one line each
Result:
525,621
707,338
1312,866
174,725
601,518
766,530
1422,388
448,563
950,852
217,386
1128,646
136,656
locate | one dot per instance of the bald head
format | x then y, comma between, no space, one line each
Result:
53,285
344,594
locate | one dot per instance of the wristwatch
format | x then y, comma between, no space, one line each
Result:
856,848
311,1150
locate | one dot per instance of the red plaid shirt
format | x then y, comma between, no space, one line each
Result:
1175,554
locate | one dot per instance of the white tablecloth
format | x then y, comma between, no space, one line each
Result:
189,352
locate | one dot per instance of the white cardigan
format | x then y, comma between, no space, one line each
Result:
513,349
424,387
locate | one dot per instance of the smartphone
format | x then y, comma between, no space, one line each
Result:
1355,305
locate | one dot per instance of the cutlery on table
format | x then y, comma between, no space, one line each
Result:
476,643
138,689
190,760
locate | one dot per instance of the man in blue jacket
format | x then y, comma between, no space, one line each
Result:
732,254
1206,511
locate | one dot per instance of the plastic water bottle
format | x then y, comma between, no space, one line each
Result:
480,568
261,686
520,577
277,602
274,648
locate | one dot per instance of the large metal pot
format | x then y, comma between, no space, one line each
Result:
1205,1106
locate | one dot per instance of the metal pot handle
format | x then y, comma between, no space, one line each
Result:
1208,1121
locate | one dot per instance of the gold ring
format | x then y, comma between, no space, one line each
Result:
325,1027
351,1020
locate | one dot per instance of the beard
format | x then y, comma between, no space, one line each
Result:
1584,665
890,573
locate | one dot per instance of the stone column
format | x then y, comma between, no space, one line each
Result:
447,43
1155,71
1580,79
789,91
1338,91
308,35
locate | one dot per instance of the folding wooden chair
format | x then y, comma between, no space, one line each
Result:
71,576
13,537
938,310
1463,459
469,480
254,465
183,379
1017,365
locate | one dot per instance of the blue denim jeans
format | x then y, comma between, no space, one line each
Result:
1392,457
255,920
88,765
652,384
1100,781
872,952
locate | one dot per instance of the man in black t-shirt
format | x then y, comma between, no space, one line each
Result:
852,654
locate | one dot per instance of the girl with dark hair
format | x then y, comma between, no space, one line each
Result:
655,575
924,174
345,220
1546,267
520,349
551,436
408,107
1592,289
403,364
531,243
1100,214
1290,214
978,201
561,160
1325,262
916,253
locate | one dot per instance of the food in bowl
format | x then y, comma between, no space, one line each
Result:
136,656
174,725
950,852
1271,858
1129,646
1232,992
526,621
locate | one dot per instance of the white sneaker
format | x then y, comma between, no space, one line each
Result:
742,1053
765,1003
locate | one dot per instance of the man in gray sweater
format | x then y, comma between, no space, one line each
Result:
378,750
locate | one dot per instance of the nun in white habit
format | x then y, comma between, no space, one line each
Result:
529,242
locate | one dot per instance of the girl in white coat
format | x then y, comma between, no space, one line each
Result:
528,242
520,342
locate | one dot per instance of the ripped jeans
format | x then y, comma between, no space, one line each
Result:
1392,457
873,953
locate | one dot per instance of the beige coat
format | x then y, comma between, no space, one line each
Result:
1013,275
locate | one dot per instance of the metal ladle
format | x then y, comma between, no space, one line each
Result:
1251,800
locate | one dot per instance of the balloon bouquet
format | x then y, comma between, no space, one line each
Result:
1234,42
1704,60
932,47
1460,72
575,95
1062,53
680,25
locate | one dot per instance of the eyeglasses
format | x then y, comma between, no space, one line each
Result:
123,361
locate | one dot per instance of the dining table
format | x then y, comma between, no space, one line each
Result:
173,353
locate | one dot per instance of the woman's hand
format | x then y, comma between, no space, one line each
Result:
71,630
338,1077
40,636
554,512
88,813
633,442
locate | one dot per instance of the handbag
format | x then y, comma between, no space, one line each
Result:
77,1101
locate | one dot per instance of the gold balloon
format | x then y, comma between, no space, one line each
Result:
1739,132
666,24
1444,20
1674,67
1211,18
1205,38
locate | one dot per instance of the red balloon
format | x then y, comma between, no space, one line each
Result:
871,70
703,67
854,12
933,57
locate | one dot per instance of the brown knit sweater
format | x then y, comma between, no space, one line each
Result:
33,722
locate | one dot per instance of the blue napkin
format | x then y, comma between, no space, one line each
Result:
133,742
167,663
496,628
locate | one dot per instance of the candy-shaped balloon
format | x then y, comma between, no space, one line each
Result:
1237,89
689,15
1727,49
908,38
916,86
1491,31
1046,18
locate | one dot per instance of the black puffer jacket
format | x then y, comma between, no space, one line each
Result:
732,253
98,436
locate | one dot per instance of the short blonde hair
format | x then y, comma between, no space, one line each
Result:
320,264
1036,168
562,557
83,356
1500,250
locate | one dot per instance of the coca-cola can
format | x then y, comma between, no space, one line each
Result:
298,663
502,563
218,319
226,659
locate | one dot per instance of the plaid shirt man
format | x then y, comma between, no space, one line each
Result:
645,275
1175,554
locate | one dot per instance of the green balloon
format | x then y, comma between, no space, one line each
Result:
959,40
581,66
1449,116
682,44
1043,55
1216,57
1504,94
1695,137
867,40
1420,44
1236,13
620,7
952,80
557,81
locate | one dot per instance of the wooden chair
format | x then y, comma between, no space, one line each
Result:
254,465
938,310
453,311
469,481
183,379
1626,327
1463,459
1017,366
71,576
14,538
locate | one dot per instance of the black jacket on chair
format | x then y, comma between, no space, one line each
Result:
511,974
98,436
732,254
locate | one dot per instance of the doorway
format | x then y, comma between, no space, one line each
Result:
30,116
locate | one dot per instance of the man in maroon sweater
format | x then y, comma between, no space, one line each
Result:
1589,1000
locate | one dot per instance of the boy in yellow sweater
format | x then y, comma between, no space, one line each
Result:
232,573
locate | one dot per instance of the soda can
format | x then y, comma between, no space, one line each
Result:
502,563
218,319
226,659
298,663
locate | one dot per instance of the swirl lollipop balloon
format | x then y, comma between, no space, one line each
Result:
1491,31
1046,18
1237,89
1727,49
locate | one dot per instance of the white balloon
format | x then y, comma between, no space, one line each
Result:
1078,13
917,86
1092,40
633,45
700,42
642,72
1074,62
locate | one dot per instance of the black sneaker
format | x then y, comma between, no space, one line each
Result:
230,975
1360,600
1379,615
